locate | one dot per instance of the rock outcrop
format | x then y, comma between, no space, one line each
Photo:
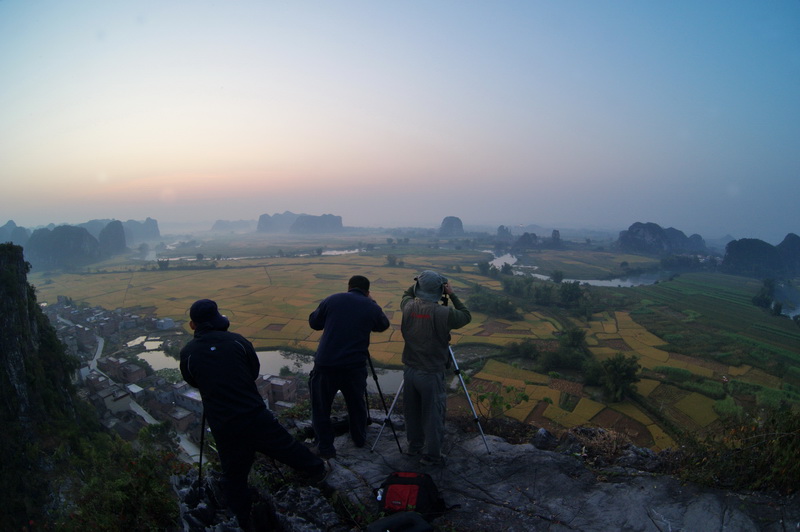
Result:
135,231
512,488
112,239
36,391
755,258
146,231
651,238
277,223
451,226
66,246
11,232
789,248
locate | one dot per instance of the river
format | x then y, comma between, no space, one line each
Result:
634,280
785,292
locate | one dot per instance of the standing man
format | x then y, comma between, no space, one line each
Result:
224,366
340,364
426,330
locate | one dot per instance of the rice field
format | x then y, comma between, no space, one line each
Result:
269,299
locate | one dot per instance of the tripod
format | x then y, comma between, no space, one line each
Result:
383,400
463,386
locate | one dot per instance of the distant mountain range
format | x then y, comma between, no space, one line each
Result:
68,246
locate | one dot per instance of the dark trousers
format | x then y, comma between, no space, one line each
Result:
425,405
237,450
323,384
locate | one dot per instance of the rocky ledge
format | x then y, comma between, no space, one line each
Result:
507,487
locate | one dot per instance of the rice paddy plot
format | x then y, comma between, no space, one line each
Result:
698,407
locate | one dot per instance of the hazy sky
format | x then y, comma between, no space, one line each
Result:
565,114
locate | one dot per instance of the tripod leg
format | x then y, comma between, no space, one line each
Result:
383,400
200,462
469,399
388,420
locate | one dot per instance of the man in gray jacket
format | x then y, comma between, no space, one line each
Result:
426,327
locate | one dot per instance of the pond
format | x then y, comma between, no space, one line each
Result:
272,362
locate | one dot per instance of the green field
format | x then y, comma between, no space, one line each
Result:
699,302
586,263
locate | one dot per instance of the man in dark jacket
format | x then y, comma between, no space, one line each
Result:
346,319
426,327
224,366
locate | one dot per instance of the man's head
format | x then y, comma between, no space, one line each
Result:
358,282
430,286
205,315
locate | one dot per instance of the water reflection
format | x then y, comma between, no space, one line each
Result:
625,282
272,362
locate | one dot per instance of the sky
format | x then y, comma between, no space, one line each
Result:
568,114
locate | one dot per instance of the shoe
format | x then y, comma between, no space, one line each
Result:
428,460
325,455
318,479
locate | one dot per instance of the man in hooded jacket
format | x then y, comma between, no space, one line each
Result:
426,327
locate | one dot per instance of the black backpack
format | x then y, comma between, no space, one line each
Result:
407,491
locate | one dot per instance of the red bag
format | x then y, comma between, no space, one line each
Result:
407,491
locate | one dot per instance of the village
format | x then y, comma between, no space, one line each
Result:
127,394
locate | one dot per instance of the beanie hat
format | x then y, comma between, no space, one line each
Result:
430,286
205,315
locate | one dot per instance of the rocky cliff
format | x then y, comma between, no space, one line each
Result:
451,226
136,231
35,390
756,258
277,223
112,239
66,246
11,232
651,238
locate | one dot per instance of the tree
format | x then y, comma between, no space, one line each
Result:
486,301
543,294
573,338
494,403
483,267
159,436
619,376
391,260
527,348
766,294
570,293
504,234
556,238
557,276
